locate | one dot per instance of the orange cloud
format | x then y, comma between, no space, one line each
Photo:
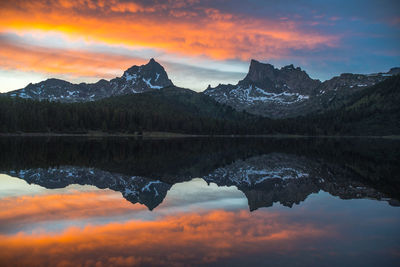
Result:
74,205
178,240
72,63
171,27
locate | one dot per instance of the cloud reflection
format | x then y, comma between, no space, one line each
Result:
185,233
175,240
179,234
16,212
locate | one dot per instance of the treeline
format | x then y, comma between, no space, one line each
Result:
373,111
168,110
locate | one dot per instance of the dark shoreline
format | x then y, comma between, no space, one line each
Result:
179,135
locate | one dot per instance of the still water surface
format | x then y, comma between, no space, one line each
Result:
206,202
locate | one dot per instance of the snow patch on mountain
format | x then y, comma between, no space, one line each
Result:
147,81
253,94
130,77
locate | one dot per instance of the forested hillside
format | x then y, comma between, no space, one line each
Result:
171,109
372,111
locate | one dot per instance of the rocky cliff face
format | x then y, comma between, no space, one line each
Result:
136,79
287,79
289,91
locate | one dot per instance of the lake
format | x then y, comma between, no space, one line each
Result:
70,201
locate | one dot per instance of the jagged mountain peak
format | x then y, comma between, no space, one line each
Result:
288,78
258,64
291,67
142,78
288,67
152,65
259,72
267,90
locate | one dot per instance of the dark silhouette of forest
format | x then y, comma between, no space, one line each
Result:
372,111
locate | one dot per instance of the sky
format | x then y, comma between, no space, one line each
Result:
198,42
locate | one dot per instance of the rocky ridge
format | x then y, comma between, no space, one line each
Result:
289,91
136,79
266,91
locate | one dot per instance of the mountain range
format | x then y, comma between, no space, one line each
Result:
266,91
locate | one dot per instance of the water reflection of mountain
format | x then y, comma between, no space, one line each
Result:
266,170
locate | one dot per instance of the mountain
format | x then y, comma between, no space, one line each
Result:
296,103
266,91
139,79
289,91
136,79
372,111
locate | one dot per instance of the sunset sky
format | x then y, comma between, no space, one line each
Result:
198,42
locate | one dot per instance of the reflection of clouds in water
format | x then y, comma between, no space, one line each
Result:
176,239
197,224
33,207
202,237
10,186
301,236
198,195
55,210
13,186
